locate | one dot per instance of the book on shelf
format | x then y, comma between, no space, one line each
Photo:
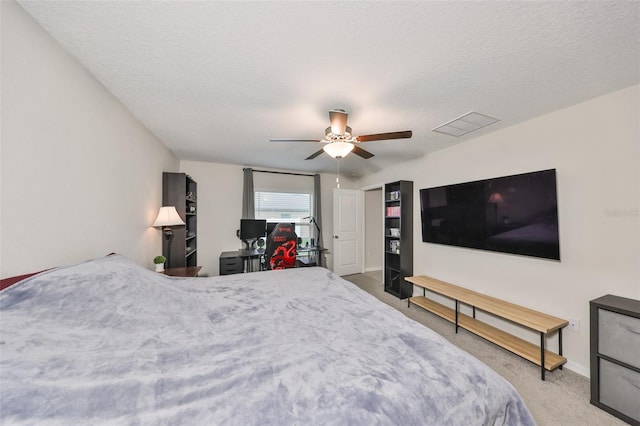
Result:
393,211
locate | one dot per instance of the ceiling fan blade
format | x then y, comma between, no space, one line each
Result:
295,140
385,136
338,118
315,154
361,152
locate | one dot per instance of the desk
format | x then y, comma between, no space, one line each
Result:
306,256
248,255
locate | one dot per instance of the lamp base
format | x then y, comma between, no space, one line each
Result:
168,233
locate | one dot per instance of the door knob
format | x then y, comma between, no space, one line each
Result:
335,236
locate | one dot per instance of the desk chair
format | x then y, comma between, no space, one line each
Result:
281,248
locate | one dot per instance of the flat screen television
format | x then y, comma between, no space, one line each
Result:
511,214
252,229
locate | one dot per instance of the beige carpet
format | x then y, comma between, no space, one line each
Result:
562,399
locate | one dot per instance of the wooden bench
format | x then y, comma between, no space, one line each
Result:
538,321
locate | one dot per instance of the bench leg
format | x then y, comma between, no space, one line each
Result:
542,355
457,308
560,344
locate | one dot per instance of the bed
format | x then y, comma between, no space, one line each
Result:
109,342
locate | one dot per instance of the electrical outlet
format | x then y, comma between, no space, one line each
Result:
574,325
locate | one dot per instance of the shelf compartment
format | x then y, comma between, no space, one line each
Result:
392,281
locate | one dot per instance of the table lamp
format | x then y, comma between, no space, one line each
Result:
167,217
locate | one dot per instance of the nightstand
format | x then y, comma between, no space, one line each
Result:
189,271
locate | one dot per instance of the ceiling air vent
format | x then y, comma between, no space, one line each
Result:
464,124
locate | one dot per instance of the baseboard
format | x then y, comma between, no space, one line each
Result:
577,368
374,268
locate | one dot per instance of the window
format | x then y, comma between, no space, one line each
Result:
289,207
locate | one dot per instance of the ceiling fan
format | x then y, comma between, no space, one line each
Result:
339,141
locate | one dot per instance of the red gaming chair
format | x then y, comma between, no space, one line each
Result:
281,247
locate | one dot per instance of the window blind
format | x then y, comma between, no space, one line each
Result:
289,207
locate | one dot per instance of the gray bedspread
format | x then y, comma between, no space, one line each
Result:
108,342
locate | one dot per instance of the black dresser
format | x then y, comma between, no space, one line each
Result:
615,356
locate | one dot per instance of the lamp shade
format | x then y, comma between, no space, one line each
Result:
496,197
168,216
338,149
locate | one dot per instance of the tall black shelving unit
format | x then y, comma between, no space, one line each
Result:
398,236
181,191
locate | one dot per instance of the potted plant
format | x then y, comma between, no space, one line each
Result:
159,261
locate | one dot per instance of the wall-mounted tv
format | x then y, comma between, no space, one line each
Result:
511,214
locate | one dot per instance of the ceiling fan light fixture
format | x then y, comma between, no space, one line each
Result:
339,140
338,149
328,132
338,118
338,130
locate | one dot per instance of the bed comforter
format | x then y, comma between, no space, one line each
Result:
108,342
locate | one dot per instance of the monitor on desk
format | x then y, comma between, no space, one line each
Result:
252,229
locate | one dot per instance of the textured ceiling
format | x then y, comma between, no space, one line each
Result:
214,81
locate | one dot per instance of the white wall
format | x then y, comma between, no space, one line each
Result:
373,230
220,207
595,147
80,176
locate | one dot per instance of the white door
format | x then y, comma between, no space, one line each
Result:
347,231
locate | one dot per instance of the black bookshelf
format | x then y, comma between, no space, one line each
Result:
398,236
181,191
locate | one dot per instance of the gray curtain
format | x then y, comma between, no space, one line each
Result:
317,214
248,203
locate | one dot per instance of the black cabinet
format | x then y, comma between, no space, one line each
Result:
231,263
181,191
615,356
398,238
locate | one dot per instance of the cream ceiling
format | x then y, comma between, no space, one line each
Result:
214,81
